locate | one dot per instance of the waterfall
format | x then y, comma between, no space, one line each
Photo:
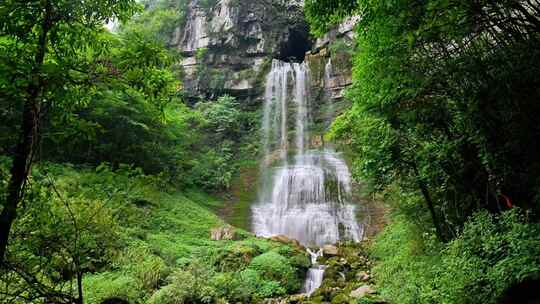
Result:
328,84
328,73
314,278
306,191
315,273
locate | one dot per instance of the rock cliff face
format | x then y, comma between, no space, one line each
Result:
228,46
330,59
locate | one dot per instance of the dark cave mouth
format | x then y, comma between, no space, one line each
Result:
295,48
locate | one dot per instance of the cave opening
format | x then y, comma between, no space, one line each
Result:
294,49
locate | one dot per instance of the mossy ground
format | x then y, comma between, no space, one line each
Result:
176,229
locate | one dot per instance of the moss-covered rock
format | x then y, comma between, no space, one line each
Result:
345,273
235,257
277,267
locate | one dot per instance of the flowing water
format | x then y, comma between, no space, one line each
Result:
315,274
306,190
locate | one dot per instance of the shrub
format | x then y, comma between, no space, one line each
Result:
253,283
493,253
235,257
272,266
149,270
108,285
187,286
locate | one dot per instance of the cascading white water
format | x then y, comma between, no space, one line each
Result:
315,274
306,192
328,72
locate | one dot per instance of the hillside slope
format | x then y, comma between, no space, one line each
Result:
135,238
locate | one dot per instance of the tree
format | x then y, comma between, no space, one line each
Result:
445,102
46,42
68,231
134,113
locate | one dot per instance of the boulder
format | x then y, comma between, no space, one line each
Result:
223,233
362,276
362,291
285,240
330,250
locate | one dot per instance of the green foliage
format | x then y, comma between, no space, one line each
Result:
148,269
444,100
259,287
445,120
236,257
222,118
60,235
492,254
225,140
135,117
129,108
276,267
49,46
503,250
322,14
110,285
112,102
187,286
123,104
408,262
160,18
146,242
247,286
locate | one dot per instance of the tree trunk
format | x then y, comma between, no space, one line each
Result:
19,172
429,202
22,160
80,287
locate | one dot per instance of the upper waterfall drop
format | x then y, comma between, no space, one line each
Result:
306,191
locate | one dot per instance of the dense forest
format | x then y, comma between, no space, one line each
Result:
220,151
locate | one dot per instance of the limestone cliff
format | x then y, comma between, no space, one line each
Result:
330,59
228,46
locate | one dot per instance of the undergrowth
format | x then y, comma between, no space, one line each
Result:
157,241
491,254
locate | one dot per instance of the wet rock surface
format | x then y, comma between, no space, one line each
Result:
347,279
330,250
286,240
